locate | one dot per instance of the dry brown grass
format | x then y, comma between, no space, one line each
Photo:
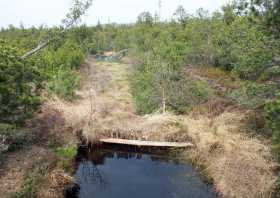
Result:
214,76
53,184
105,108
240,166
212,73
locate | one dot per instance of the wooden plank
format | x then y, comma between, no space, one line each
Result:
147,143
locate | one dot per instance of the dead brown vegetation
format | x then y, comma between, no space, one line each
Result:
105,108
239,165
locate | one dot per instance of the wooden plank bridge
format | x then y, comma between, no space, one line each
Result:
141,143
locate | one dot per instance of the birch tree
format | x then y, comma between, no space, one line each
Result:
73,17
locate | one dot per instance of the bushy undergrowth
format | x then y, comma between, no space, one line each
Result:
32,181
243,49
242,41
67,152
273,121
62,80
143,93
23,80
64,83
19,86
185,93
66,155
13,138
251,95
28,189
180,93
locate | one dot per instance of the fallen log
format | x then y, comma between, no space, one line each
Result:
147,143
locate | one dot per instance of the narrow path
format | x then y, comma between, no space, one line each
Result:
105,108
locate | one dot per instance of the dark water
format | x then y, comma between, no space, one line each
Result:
112,174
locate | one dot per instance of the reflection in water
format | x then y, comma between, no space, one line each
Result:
111,174
73,191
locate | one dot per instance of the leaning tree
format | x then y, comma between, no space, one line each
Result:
78,9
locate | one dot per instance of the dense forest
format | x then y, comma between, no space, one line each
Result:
186,65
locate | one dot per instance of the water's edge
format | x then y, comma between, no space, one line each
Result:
112,172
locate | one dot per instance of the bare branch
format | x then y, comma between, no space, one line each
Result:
74,16
38,48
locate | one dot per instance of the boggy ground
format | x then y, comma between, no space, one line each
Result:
238,164
33,170
105,108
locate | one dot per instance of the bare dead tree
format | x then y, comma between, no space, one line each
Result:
78,9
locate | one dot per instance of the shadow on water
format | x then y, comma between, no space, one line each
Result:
110,172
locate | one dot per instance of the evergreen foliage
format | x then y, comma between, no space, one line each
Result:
19,85
242,40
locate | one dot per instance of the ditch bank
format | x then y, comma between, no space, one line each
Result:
237,164
111,171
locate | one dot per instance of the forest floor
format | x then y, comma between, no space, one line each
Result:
32,169
238,165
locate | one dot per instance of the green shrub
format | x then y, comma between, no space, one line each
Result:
185,93
181,93
244,49
273,121
277,191
14,137
64,83
28,189
66,155
19,86
70,55
251,94
272,73
143,93
32,181
59,68
66,152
